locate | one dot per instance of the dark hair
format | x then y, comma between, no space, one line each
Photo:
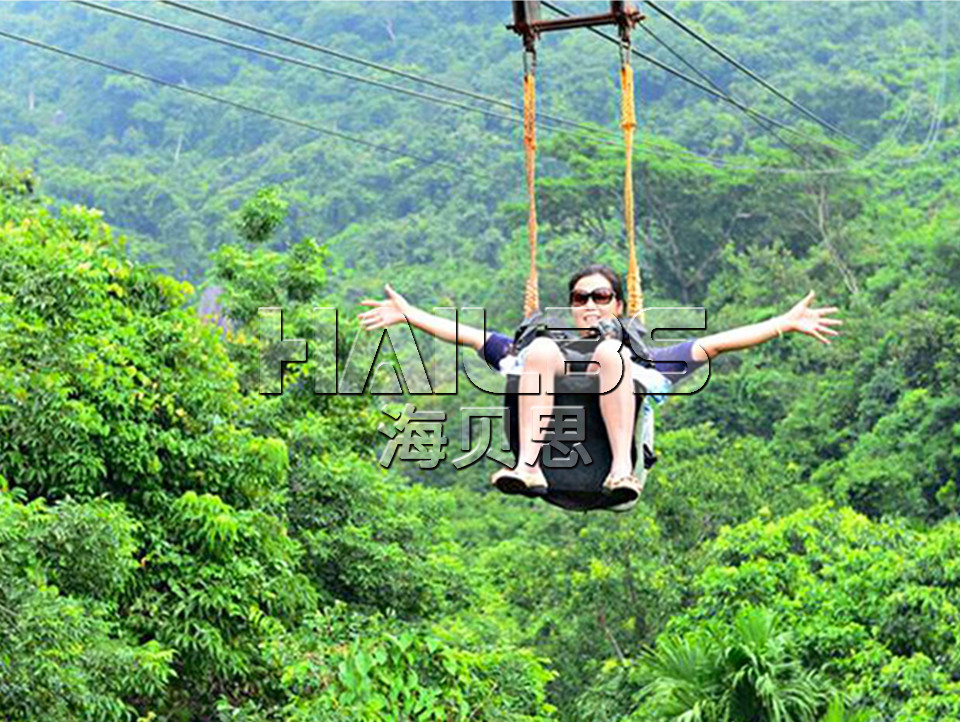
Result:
599,269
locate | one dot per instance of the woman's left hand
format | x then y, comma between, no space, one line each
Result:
815,322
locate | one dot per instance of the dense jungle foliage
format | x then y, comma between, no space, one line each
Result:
176,546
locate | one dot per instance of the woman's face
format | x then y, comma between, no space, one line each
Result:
592,312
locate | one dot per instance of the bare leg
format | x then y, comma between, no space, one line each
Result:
617,404
545,360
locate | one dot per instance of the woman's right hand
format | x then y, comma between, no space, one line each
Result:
393,309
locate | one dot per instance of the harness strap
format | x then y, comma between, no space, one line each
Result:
575,347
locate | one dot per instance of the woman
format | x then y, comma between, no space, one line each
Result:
596,297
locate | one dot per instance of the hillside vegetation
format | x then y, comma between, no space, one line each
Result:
176,546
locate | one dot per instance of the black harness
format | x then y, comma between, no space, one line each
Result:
578,349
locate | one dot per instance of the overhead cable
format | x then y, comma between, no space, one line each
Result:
240,106
295,61
753,76
707,79
696,83
348,76
379,66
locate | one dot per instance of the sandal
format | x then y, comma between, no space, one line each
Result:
512,481
628,483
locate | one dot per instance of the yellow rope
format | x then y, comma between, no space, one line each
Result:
531,298
629,123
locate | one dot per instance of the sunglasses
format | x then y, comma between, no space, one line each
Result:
602,296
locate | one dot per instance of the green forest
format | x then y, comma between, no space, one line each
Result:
177,546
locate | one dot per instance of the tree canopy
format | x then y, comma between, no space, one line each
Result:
175,545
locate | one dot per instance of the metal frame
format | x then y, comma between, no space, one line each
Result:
527,22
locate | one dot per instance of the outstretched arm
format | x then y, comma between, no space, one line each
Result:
395,308
814,322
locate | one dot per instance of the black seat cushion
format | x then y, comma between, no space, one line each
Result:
579,487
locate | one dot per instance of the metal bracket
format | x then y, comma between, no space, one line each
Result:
528,24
